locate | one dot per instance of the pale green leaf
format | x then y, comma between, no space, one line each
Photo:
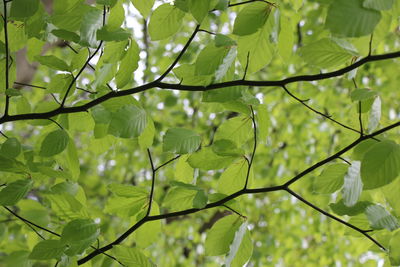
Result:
375,115
165,21
238,130
251,18
378,4
131,256
128,65
233,178
206,159
380,218
144,6
352,186
92,21
325,53
183,172
221,235
331,179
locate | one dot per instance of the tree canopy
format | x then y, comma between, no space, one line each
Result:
199,133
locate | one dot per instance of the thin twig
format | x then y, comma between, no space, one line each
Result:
1,133
167,162
234,211
180,54
363,232
345,160
206,31
303,102
59,125
247,65
250,162
153,181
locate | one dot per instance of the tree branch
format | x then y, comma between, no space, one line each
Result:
181,87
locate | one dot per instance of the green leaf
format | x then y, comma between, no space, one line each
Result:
13,92
325,53
256,50
11,148
381,164
149,233
341,209
211,58
378,4
352,187
48,249
23,8
165,21
180,198
375,115
263,121
223,95
221,235
394,252
15,191
224,147
241,248
92,21
226,63
331,179
181,141
78,235
53,62
251,18
144,6
116,17
206,159
131,256
127,122
380,218
116,35
183,172
199,9
73,160
128,191
233,178
125,207
146,138
223,40
237,129
128,65
361,94
351,19
54,143
66,35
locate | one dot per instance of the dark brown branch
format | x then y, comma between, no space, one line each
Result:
363,232
153,181
181,87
